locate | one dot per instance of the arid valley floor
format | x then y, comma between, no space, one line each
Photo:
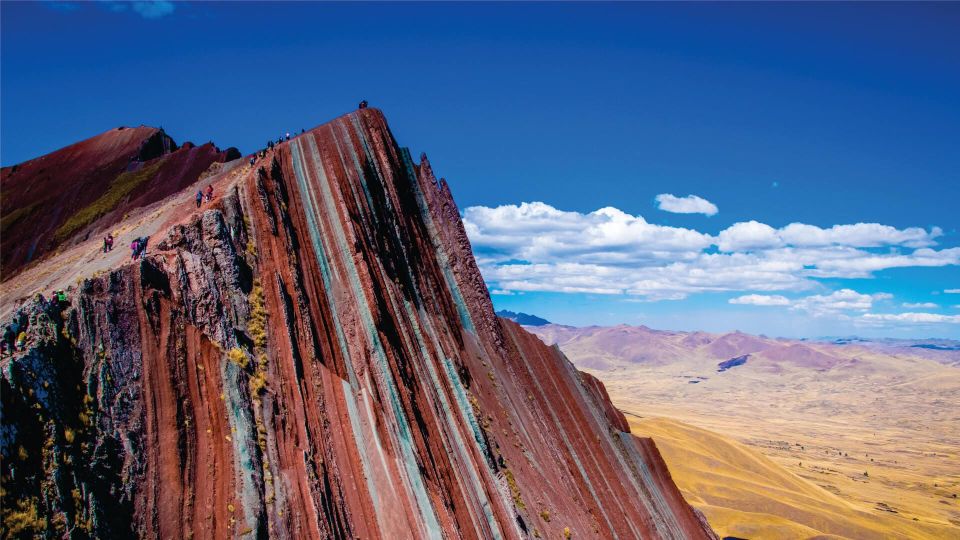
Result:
803,439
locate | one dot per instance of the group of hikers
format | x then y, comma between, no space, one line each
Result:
271,144
45,315
280,140
137,248
201,195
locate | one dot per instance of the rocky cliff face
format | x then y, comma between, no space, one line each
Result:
313,356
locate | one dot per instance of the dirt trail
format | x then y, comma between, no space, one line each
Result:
67,268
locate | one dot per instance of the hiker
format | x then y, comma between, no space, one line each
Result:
108,242
199,198
62,299
302,131
209,192
253,159
135,245
9,339
288,135
363,104
142,246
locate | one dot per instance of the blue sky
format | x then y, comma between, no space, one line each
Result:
817,114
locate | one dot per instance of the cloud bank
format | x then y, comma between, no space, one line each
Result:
536,247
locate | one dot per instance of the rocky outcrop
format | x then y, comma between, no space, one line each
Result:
316,356
63,197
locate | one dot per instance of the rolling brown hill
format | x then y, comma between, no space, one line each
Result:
793,439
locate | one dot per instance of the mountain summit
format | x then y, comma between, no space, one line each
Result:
311,354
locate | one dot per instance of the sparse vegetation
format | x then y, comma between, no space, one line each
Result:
257,327
545,515
11,218
86,415
23,520
121,187
238,357
514,490
258,316
258,381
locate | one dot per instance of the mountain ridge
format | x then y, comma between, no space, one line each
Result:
313,353
523,319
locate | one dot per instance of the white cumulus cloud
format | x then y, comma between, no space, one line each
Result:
536,247
752,235
838,302
691,204
920,305
748,236
761,300
858,235
952,291
911,318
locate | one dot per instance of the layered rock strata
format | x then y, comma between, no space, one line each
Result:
316,356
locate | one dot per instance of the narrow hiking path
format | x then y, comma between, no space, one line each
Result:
67,268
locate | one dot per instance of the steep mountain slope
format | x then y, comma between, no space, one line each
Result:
313,355
86,187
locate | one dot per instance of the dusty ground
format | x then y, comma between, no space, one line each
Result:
746,494
88,259
889,446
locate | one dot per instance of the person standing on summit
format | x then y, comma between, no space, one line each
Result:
363,104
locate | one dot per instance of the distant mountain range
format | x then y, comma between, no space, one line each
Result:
523,318
606,347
